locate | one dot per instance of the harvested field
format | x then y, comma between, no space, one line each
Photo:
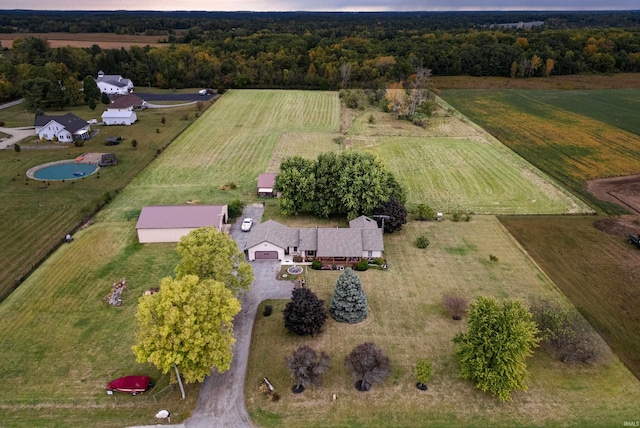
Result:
624,191
614,81
86,40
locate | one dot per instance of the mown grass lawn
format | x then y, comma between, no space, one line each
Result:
60,343
572,136
408,322
36,215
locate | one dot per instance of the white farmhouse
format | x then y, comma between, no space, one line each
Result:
63,129
113,84
122,109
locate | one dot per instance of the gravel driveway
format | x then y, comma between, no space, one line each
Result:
221,400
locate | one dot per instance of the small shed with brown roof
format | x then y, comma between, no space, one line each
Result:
169,223
266,185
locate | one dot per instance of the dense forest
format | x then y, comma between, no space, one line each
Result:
313,50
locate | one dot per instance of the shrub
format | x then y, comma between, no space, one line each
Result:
362,265
297,258
134,143
493,258
456,306
372,119
235,208
267,311
316,264
17,148
379,261
423,373
78,143
221,90
424,212
422,242
460,215
565,334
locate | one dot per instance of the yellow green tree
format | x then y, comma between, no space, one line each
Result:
188,323
499,339
212,254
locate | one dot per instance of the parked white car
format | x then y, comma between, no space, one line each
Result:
246,224
92,121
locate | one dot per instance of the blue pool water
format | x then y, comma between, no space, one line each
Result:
65,171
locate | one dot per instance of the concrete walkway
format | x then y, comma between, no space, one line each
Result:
221,399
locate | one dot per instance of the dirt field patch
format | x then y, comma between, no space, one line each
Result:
86,40
624,191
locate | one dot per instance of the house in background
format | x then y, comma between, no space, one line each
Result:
340,246
169,223
63,129
122,109
113,84
266,185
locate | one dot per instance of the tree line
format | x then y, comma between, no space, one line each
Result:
319,51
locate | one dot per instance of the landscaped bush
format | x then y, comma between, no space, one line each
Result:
460,215
424,212
422,241
235,208
297,258
362,265
379,261
456,306
267,311
316,264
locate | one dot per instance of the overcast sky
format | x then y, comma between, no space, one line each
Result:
321,5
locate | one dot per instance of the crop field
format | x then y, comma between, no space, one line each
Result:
558,139
78,342
36,215
407,321
598,272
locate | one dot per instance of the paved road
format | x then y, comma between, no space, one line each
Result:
221,400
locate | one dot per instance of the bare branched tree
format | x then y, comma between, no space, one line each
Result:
367,364
307,367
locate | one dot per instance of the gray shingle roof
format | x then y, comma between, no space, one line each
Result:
362,235
114,79
70,121
179,216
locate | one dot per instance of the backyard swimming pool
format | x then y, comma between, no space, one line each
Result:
64,171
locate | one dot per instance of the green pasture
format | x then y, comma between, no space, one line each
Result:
573,136
36,215
408,322
60,342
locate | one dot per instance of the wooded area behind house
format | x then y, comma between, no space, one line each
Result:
317,50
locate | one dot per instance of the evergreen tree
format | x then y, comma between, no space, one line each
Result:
104,99
90,89
305,313
349,303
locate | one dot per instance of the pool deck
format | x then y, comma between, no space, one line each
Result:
85,158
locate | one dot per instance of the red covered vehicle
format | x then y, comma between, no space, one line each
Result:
130,384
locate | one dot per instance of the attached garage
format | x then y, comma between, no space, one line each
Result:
170,223
265,255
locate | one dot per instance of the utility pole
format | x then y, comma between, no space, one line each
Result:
383,217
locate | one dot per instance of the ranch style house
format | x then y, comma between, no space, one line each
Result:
339,246
113,84
169,223
63,129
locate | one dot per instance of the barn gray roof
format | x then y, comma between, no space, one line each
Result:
179,216
70,121
362,235
113,79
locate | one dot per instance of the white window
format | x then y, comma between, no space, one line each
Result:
369,253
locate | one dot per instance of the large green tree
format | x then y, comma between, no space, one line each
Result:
211,254
349,303
296,183
499,339
90,89
188,323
